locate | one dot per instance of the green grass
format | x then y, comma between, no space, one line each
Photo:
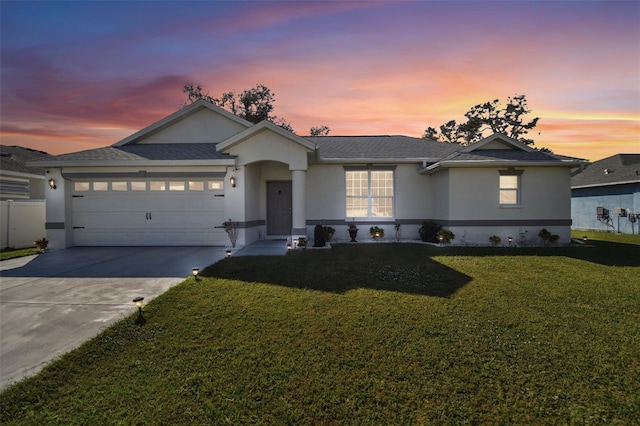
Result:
10,253
367,334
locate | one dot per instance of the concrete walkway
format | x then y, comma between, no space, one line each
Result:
51,303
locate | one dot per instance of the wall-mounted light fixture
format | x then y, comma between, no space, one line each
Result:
52,183
232,181
510,239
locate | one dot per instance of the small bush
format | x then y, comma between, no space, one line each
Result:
495,240
445,236
548,237
328,232
376,232
429,231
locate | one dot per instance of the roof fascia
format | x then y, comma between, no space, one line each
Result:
497,164
10,173
594,185
178,115
373,160
261,126
136,163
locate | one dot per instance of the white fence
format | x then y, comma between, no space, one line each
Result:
21,222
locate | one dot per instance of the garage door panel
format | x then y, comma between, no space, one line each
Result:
148,218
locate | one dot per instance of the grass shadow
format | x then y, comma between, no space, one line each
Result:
345,267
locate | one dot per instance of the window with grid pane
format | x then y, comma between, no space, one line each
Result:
369,193
510,189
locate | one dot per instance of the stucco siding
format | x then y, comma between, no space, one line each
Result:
204,126
440,195
269,146
585,201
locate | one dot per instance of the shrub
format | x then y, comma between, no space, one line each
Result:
376,232
429,231
445,236
328,232
495,240
548,237
42,243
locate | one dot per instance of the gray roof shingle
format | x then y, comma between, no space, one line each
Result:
14,158
612,170
149,152
380,147
499,155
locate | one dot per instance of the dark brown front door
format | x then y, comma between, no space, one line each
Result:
278,208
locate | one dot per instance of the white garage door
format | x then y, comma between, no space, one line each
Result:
148,213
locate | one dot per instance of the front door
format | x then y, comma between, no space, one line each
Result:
278,208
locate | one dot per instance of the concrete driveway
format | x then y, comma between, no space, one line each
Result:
51,303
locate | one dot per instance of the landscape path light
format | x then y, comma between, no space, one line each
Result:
510,240
195,272
138,302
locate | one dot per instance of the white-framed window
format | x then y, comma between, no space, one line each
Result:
214,185
510,187
119,186
157,185
138,186
196,185
81,186
176,186
100,186
369,192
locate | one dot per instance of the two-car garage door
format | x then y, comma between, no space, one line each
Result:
148,213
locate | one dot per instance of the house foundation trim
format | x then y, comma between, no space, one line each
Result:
54,225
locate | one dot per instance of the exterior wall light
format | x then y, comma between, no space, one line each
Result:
510,239
232,181
138,302
52,183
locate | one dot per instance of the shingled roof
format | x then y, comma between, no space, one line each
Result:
14,159
137,153
615,170
380,148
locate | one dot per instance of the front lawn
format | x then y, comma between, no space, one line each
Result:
10,253
367,334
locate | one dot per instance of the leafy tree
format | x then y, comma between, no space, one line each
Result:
320,131
489,117
254,105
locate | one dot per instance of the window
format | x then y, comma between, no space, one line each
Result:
81,186
157,186
214,185
196,185
138,186
369,193
118,186
176,186
100,186
510,187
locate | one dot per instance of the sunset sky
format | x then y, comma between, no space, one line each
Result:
82,75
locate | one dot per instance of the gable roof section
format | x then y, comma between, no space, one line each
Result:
336,149
262,126
139,155
514,154
178,116
618,169
13,161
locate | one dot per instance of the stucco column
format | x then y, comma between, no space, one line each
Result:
298,203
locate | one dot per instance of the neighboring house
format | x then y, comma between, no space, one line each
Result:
605,196
22,194
17,181
176,181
